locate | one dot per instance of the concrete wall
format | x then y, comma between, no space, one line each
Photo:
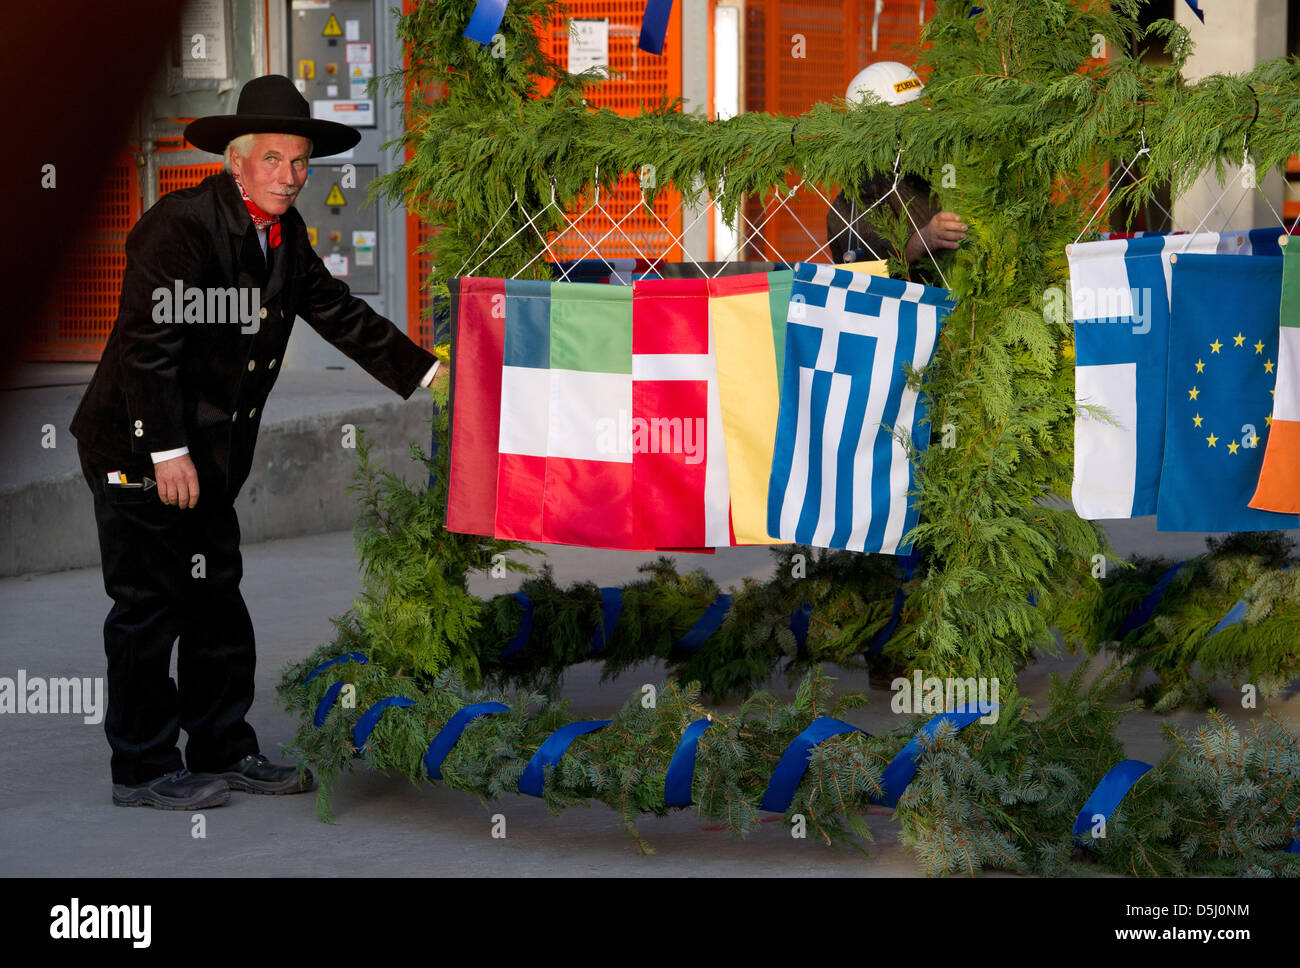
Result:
1236,36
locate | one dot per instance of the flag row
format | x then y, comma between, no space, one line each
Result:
690,413
1187,349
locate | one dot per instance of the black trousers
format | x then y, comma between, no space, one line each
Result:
162,592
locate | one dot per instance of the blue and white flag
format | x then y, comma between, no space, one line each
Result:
1119,290
1252,242
840,468
1223,352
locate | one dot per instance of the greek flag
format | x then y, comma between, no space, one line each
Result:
840,468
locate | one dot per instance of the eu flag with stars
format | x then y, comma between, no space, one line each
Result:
1223,351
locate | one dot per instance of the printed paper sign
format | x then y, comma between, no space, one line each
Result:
364,238
352,30
357,53
336,264
588,44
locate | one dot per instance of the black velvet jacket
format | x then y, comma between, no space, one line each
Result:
203,384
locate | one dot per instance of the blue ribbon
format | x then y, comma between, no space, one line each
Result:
1110,791
485,20
794,762
898,774
611,605
1142,614
799,624
345,657
447,736
525,627
654,25
706,624
327,703
1196,9
681,768
370,718
549,753
1236,614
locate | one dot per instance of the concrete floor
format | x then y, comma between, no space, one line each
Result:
56,817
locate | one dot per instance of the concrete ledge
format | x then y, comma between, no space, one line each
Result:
298,484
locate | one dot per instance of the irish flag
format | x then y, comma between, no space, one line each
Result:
1279,478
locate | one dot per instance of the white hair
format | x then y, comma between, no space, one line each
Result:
244,146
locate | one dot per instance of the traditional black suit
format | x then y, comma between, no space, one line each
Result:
203,385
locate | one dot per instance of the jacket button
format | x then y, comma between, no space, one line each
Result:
271,365
139,423
251,366
253,412
263,313
139,432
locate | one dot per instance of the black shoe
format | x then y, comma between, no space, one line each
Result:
179,790
256,774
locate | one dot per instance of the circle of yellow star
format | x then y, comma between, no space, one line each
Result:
1254,440
1200,366
1268,366
1193,393
1212,440
1259,348
1238,340
1215,346
1233,447
1196,421
1268,421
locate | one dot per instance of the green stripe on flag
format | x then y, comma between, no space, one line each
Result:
779,284
1291,283
591,327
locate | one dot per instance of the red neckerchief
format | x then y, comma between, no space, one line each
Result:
260,218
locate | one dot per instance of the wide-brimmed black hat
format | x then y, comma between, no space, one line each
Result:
271,104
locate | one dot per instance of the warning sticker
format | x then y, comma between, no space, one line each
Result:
335,197
336,264
332,28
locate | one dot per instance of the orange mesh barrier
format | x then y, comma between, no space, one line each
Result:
80,313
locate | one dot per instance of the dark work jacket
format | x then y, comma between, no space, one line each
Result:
921,205
203,385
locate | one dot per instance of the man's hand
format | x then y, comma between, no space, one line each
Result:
944,231
178,481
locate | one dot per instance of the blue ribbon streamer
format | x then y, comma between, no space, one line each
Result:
898,774
654,25
681,768
881,638
1236,614
799,624
345,657
1110,791
450,733
706,624
327,703
611,606
794,761
370,718
485,20
1196,9
549,753
1142,614
525,627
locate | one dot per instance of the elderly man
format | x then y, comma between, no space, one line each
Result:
215,276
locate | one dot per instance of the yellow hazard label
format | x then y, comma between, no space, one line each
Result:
335,196
311,234
907,85
306,69
332,28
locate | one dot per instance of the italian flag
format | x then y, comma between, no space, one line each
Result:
1279,477
586,415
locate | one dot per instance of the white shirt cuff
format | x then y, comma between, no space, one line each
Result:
428,377
162,455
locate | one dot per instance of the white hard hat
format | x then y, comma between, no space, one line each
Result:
892,82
